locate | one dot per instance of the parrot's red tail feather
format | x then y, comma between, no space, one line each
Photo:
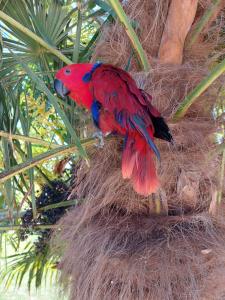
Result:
138,165
144,177
128,157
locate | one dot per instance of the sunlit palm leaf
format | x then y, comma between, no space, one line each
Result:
51,23
36,265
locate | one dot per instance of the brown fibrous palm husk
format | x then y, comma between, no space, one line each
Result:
119,245
114,255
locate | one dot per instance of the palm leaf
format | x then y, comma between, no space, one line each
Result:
29,31
30,163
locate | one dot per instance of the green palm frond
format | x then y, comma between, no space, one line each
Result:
37,266
50,22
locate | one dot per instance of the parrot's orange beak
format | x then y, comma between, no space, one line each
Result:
60,88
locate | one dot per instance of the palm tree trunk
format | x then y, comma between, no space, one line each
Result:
180,18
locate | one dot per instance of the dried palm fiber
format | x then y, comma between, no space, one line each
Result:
114,249
112,246
150,17
115,255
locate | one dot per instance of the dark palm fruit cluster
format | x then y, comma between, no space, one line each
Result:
42,242
56,192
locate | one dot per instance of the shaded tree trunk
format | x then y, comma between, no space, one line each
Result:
180,18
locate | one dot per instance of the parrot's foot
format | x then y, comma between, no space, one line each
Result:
99,135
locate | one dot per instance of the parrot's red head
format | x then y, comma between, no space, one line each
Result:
70,80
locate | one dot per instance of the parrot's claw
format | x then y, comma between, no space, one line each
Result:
99,135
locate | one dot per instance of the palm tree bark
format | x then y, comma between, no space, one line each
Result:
180,18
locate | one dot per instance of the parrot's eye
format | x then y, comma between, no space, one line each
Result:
67,71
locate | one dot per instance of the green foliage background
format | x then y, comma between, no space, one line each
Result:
37,127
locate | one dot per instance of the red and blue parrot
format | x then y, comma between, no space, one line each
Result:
118,106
